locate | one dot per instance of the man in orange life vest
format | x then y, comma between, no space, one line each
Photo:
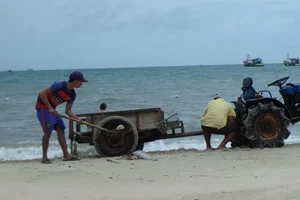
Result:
48,99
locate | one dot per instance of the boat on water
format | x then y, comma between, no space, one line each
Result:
290,61
256,62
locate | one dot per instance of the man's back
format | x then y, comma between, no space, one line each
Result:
216,113
249,93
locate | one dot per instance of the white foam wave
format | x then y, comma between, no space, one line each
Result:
26,152
174,144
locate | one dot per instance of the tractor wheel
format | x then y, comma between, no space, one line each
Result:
123,141
266,126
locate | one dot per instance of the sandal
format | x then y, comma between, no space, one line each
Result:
46,161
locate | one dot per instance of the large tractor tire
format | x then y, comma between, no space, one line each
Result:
266,126
123,141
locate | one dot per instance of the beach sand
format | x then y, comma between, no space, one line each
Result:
186,175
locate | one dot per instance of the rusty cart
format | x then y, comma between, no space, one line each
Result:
123,132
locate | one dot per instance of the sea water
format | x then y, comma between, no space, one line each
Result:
181,89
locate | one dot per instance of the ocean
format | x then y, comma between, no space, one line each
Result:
181,89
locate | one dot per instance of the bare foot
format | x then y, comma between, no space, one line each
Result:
133,157
70,158
222,148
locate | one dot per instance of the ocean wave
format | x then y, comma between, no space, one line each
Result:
28,151
184,90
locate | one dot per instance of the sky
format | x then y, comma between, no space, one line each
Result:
63,34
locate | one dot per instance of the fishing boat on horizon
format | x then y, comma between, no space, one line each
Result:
290,61
256,62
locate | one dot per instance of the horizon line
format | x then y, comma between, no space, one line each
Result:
187,65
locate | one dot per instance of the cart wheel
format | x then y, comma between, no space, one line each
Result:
123,141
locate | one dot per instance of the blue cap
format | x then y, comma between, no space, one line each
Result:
77,76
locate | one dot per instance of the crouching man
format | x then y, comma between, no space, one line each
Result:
219,118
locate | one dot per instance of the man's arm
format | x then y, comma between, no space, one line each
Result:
69,112
230,118
43,95
231,113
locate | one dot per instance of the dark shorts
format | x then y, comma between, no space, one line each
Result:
230,127
49,122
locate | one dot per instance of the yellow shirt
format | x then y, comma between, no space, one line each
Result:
216,113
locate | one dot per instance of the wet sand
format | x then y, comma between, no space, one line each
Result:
188,175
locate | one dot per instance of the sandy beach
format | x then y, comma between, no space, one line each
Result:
188,175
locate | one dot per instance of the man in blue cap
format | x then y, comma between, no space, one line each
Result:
47,101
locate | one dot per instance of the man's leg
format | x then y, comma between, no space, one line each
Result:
230,131
227,139
62,142
45,120
207,131
60,129
45,144
207,137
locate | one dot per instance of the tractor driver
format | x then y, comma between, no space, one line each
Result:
248,91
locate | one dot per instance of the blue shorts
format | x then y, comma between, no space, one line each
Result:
49,122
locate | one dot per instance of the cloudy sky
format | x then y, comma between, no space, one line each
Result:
61,34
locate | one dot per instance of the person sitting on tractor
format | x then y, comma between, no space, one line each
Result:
248,91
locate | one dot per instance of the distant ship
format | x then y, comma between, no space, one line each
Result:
256,62
291,61
30,69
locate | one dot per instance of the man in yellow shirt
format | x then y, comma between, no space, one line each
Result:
219,118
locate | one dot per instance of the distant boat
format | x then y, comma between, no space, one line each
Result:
30,69
9,70
291,61
256,62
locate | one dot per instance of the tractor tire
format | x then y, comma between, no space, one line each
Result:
266,126
121,142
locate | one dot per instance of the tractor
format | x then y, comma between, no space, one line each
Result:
264,120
